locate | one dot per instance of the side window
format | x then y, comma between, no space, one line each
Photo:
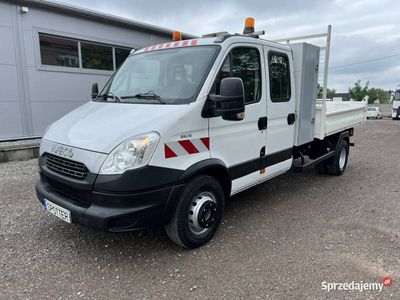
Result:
245,64
279,77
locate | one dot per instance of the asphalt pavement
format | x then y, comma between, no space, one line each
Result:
279,240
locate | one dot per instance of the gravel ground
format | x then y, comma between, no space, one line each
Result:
279,240
18,143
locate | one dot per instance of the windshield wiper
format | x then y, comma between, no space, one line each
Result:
111,95
149,95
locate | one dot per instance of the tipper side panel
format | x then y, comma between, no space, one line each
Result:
306,60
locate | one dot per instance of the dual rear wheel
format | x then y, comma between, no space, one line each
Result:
338,164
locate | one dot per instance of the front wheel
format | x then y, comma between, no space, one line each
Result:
198,213
338,166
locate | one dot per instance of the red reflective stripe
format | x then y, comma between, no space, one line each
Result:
185,43
206,142
154,47
188,146
168,152
168,45
147,49
194,42
176,44
159,47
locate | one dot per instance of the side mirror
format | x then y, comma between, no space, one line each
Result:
95,90
231,100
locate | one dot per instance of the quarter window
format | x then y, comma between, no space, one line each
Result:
245,64
279,77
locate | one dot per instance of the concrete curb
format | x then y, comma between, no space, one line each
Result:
10,153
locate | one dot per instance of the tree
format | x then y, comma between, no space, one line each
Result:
377,94
321,90
358,93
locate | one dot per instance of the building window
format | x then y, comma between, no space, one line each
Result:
97,57
59,52
120,55
65,52
279,77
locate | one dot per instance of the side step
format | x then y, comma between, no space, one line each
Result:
300,168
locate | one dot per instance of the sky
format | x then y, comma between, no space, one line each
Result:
365,41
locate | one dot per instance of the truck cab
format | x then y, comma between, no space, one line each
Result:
181,127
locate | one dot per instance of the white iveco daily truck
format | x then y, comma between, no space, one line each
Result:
182,126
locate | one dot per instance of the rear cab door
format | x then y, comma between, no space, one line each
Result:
280,110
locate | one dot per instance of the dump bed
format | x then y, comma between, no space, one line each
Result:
336,116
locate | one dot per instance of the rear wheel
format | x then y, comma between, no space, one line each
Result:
338,166
198,213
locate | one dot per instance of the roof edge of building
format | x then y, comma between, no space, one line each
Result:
79,11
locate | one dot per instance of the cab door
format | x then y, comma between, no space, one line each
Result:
280,111
239,144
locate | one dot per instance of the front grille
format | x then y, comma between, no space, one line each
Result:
66,166
69,193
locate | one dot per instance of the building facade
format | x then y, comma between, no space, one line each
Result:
51,53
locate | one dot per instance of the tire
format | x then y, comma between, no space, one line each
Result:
338,166
322,168
198,213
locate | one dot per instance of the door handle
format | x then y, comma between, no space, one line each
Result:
262,123
291,118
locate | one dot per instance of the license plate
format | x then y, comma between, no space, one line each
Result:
62,213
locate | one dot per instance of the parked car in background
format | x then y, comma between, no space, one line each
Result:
374,112
396,104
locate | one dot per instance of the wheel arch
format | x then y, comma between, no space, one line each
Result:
214,168
337,138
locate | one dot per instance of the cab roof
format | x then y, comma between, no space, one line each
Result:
225,41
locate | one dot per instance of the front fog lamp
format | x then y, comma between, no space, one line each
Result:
131,154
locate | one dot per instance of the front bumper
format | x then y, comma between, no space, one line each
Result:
111,210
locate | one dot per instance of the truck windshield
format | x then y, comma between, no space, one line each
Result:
397,96
170,76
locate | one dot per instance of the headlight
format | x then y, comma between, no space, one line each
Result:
133,153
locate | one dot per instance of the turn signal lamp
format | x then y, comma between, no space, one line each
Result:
177,36
248,26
